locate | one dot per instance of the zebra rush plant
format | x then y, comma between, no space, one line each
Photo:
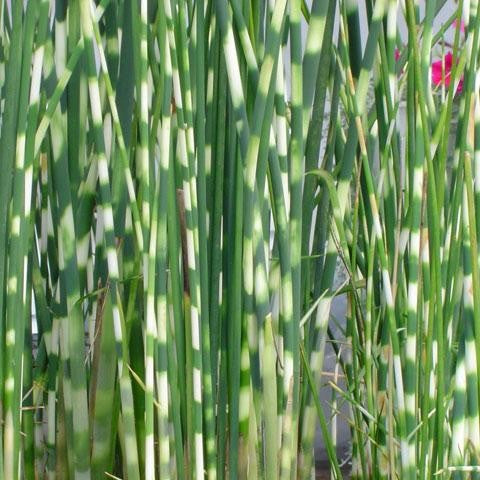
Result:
183,184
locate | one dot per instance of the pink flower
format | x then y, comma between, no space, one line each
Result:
442,77
397,54
462,25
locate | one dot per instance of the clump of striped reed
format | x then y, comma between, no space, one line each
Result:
180,182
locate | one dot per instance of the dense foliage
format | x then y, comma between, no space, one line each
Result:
186,187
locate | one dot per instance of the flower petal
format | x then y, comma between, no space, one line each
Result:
437,72
462,25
